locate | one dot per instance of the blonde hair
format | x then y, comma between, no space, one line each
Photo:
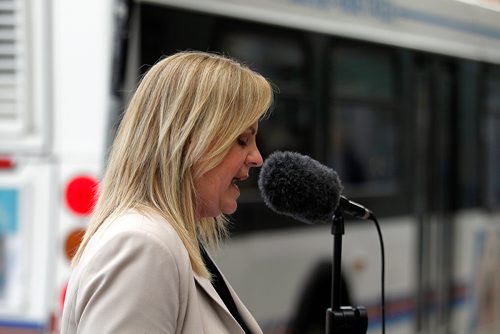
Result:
182,120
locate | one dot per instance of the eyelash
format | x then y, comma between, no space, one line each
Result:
242,142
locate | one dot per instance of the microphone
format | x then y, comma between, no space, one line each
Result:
298,186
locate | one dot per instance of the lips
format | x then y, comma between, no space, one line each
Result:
234,182
239,179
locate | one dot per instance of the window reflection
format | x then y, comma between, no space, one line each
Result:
276,57
289,127
282,60
362,75
362,130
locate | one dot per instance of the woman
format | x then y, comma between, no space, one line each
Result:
185,141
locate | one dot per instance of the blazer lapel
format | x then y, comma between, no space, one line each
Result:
244,313
210,290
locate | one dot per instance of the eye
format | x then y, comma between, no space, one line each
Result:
242,141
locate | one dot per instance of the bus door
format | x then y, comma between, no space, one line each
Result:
436,102
478,235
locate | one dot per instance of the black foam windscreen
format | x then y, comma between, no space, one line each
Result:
298,186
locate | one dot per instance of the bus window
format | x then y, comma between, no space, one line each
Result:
283,60
492,137
167,30
363,132
468,139
278,58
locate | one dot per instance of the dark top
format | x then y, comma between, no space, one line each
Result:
221,288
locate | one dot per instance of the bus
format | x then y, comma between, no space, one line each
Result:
401,98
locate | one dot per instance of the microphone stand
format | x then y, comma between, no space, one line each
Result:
342,319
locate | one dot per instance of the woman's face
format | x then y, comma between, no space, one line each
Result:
217,190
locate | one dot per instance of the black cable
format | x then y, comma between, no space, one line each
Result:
382,276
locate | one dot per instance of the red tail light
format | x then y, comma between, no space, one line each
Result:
6,163
81,194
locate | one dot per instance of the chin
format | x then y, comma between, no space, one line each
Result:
230,210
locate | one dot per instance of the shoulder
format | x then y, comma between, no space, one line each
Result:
148,241
133,255
133,221
139,228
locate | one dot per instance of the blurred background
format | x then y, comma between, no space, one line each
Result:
401,98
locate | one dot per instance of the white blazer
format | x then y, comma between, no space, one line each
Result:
135,277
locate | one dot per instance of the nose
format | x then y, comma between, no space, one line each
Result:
254,159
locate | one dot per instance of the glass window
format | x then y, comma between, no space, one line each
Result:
363,132
278,58
281,59
364,147
492,137
492,90
362,75
289,127
468,142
